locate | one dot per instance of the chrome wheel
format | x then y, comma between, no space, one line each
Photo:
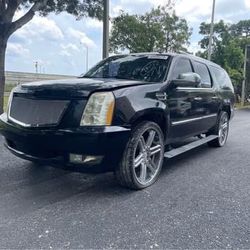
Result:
223,129
148,156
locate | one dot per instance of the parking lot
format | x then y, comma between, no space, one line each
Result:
201,201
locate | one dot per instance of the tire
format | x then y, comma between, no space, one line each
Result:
143,157
221,129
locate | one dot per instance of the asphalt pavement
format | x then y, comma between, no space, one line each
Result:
202,200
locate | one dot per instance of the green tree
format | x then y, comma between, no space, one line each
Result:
131,32
221,34
241,29
241,32
228,47
8,9
158,30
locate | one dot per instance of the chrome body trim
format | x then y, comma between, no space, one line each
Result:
193,119
18,122
195,88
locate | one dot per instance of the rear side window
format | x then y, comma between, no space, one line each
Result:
221,78
182,66
202,70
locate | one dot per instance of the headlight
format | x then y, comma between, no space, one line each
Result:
99,110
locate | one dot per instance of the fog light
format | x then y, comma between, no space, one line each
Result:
85,159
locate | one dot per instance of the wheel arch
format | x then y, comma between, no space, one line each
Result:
159,116
227,109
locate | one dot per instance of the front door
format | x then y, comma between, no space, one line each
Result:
184,103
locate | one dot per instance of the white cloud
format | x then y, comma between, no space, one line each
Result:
68,49
247,3
159,2
115,10
135,7
93,23
194,47
17,50
195,10
81,37
69,46
42,28
65,53
130,6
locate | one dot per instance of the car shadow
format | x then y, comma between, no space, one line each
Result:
179,161
68,182
41,186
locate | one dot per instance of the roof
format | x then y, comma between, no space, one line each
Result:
183,54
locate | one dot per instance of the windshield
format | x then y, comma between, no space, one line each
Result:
150,68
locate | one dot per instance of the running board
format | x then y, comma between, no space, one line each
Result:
177,151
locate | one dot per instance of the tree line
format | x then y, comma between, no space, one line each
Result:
161,30
229,43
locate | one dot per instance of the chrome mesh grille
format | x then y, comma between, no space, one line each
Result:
36,112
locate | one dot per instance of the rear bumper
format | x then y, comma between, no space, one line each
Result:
55,145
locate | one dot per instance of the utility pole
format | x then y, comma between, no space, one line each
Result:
36,67
105,52
211,33
87,55
243,93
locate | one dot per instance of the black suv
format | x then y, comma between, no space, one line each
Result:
124,115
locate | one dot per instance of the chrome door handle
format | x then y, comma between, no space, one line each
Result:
161,96
198,98
215,97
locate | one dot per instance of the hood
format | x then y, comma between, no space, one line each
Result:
76,86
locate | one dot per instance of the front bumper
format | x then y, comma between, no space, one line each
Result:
55,145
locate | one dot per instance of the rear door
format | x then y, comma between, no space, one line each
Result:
206,96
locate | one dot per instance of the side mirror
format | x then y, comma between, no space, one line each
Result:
191,80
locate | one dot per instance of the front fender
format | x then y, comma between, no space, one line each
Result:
137,103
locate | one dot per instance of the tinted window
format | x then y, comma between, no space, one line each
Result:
202,70
222,79
151,68
182,66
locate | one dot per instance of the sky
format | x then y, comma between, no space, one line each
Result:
59,42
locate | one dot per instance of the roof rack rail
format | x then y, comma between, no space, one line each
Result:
185,52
